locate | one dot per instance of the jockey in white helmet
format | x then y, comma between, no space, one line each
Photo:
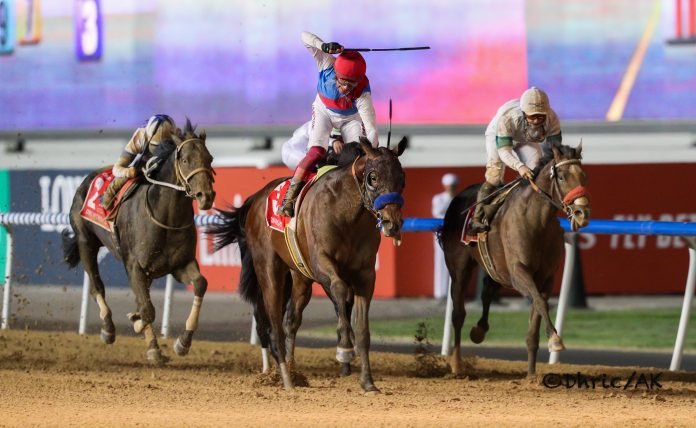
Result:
513,139
157,128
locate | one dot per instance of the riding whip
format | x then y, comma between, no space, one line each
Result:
415,48
390,117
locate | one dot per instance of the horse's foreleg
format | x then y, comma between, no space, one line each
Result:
191,274
88,256
271,280
300,295
363,296
523,280
340,294
143,319
532,340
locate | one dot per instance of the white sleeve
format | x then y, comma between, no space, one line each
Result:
313,44
369,118
508,155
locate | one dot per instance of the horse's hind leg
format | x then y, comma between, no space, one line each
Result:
142,321
490,289
89,246
271,275
300,295
191,274
460,279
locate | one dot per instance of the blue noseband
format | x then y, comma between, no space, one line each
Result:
388,198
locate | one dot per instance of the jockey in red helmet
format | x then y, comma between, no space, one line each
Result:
343,102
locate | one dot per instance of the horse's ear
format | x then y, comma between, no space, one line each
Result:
578,150
367,148
556,153
399,149
202,135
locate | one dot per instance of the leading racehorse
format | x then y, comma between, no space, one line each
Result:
525,245
154,235
337,233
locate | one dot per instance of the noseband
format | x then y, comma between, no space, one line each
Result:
180,176
381,201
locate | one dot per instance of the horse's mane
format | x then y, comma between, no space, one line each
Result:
547,156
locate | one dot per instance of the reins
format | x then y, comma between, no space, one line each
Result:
180,177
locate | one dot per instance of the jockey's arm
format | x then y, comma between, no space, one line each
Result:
313,44
366,110
122,166
553,134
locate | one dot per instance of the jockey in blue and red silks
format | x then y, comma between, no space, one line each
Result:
343,102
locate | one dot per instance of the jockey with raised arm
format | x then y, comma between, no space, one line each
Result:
157,128
514,138
343,102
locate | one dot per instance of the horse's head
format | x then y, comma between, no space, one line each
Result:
194,166
383,182
568,181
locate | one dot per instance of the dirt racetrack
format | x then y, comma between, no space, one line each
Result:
62,379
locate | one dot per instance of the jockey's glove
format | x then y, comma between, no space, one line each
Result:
331,48
131,172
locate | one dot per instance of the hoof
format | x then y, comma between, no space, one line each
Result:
345,355
556,343
477,334
372,391
107,337
155,357
345,369
133,316
180,349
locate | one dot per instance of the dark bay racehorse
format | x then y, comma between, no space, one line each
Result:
154,235
525,244
338,236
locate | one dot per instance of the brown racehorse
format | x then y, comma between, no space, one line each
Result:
338,236
525,244
155,235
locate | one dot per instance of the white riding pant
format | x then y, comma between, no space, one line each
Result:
324,120
528,153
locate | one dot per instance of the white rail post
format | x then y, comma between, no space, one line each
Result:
686,306
447,333
167,310
7,292
84,307
568,267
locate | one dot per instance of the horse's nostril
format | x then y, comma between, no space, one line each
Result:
199,195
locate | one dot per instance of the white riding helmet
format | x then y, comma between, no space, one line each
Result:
159,126
534,101
450,179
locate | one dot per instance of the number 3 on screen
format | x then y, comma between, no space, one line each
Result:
88,21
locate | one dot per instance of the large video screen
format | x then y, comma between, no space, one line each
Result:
95,64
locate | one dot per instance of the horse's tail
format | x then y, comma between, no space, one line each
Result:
230,231
71,252
454,218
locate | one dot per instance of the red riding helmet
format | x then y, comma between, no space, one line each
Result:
350,65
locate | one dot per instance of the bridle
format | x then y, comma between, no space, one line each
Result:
567,199
180,178
374,206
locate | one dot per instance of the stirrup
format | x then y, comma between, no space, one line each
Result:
476,227
287,209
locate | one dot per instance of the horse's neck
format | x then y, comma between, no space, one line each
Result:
349,200
536,207
169,203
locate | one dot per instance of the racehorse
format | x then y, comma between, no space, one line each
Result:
153,235
337,232
525,244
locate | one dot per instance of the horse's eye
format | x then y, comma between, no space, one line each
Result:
561,177
371,179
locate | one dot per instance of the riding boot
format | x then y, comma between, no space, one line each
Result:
110,193
287,207
479,223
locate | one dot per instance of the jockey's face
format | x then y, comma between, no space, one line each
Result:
535,120
345,85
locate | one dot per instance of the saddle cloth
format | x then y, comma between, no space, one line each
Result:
287,225
92,209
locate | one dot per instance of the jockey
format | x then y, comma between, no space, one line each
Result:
158,128
343,101
295,149
514,138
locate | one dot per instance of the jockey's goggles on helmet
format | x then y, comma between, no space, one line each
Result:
347,83
535,118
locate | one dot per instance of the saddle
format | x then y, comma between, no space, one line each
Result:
92,209
287,225
482,238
